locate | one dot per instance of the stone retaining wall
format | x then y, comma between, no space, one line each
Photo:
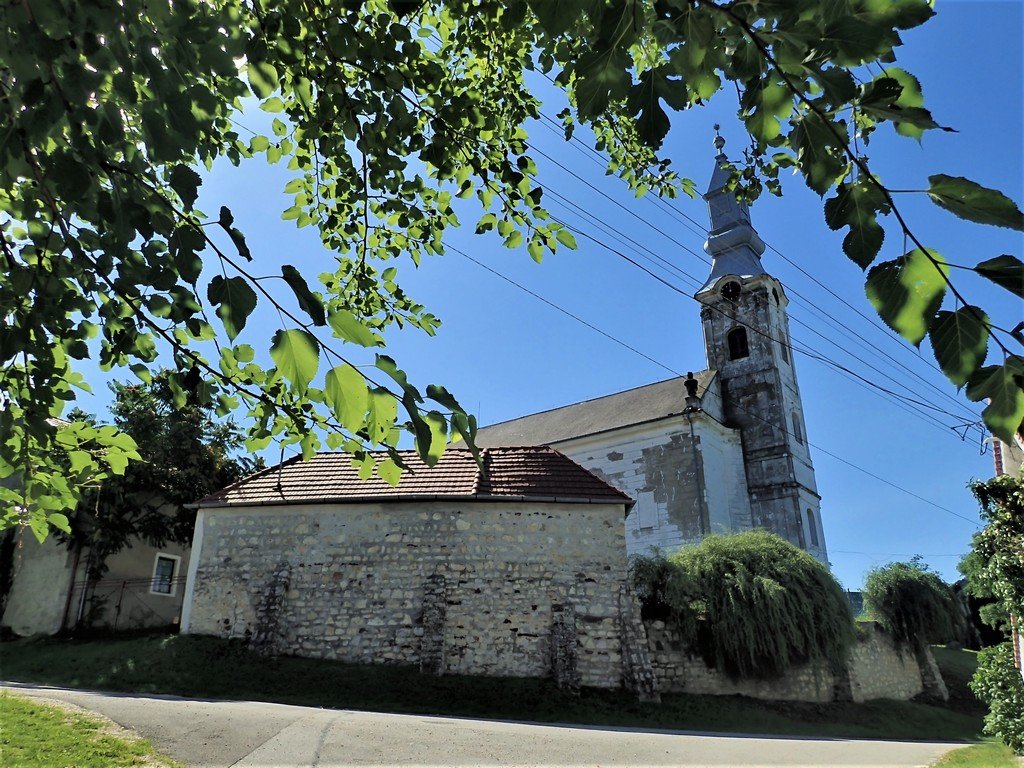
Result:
477,588
878,668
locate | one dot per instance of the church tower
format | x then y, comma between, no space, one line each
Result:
746,335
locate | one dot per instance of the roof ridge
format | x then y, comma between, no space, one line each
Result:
595,399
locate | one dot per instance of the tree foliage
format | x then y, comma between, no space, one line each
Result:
995,565
913,604
998,683
185,454
750,603
384,112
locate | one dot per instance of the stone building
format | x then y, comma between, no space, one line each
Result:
721,450
515,568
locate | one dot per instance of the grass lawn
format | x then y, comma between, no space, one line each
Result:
35,734
208,667
990,754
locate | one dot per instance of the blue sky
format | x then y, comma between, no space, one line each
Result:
505,353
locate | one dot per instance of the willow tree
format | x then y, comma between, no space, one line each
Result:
383,112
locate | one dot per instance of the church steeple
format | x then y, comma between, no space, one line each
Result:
746,336
733,244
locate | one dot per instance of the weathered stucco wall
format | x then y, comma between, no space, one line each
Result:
123,599
877,669
481,588
39,587
685,485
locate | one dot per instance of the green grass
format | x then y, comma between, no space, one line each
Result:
208,667
990,754
957,670
35,734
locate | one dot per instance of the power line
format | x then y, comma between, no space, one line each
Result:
899,400
696,228
849,463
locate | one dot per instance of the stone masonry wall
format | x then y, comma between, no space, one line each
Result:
365,583
880,669
877,669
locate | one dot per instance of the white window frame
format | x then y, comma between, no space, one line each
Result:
174,574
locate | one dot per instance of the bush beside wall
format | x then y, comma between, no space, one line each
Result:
751,604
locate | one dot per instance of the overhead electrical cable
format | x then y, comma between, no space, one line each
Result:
750,413
893,398
653,257
802,300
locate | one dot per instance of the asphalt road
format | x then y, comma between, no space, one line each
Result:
246,734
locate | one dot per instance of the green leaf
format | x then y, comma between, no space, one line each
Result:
382,414
959,340
856,206
235,301
273,104
81,460
907,292
1006,271
185,182
297,356
388,365
645,101
226,221
348,327
557,16
431,443
819,151
59,521
1003,386
602,76
309,302
566,238
974,202
767,104
347,395
442,396
389,472
912,119
263,78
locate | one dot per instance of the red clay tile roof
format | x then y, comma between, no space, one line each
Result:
510,474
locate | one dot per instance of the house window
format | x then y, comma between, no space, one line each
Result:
812,528
798,430
164,570
737,340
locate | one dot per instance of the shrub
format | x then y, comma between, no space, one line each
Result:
751,603
998,683
913,604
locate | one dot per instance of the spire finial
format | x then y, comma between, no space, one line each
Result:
719,141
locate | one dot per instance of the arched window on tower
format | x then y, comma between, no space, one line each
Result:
812,528
738,347
784,344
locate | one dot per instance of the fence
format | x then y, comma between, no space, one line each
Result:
118,605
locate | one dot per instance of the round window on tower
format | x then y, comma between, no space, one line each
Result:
731,290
